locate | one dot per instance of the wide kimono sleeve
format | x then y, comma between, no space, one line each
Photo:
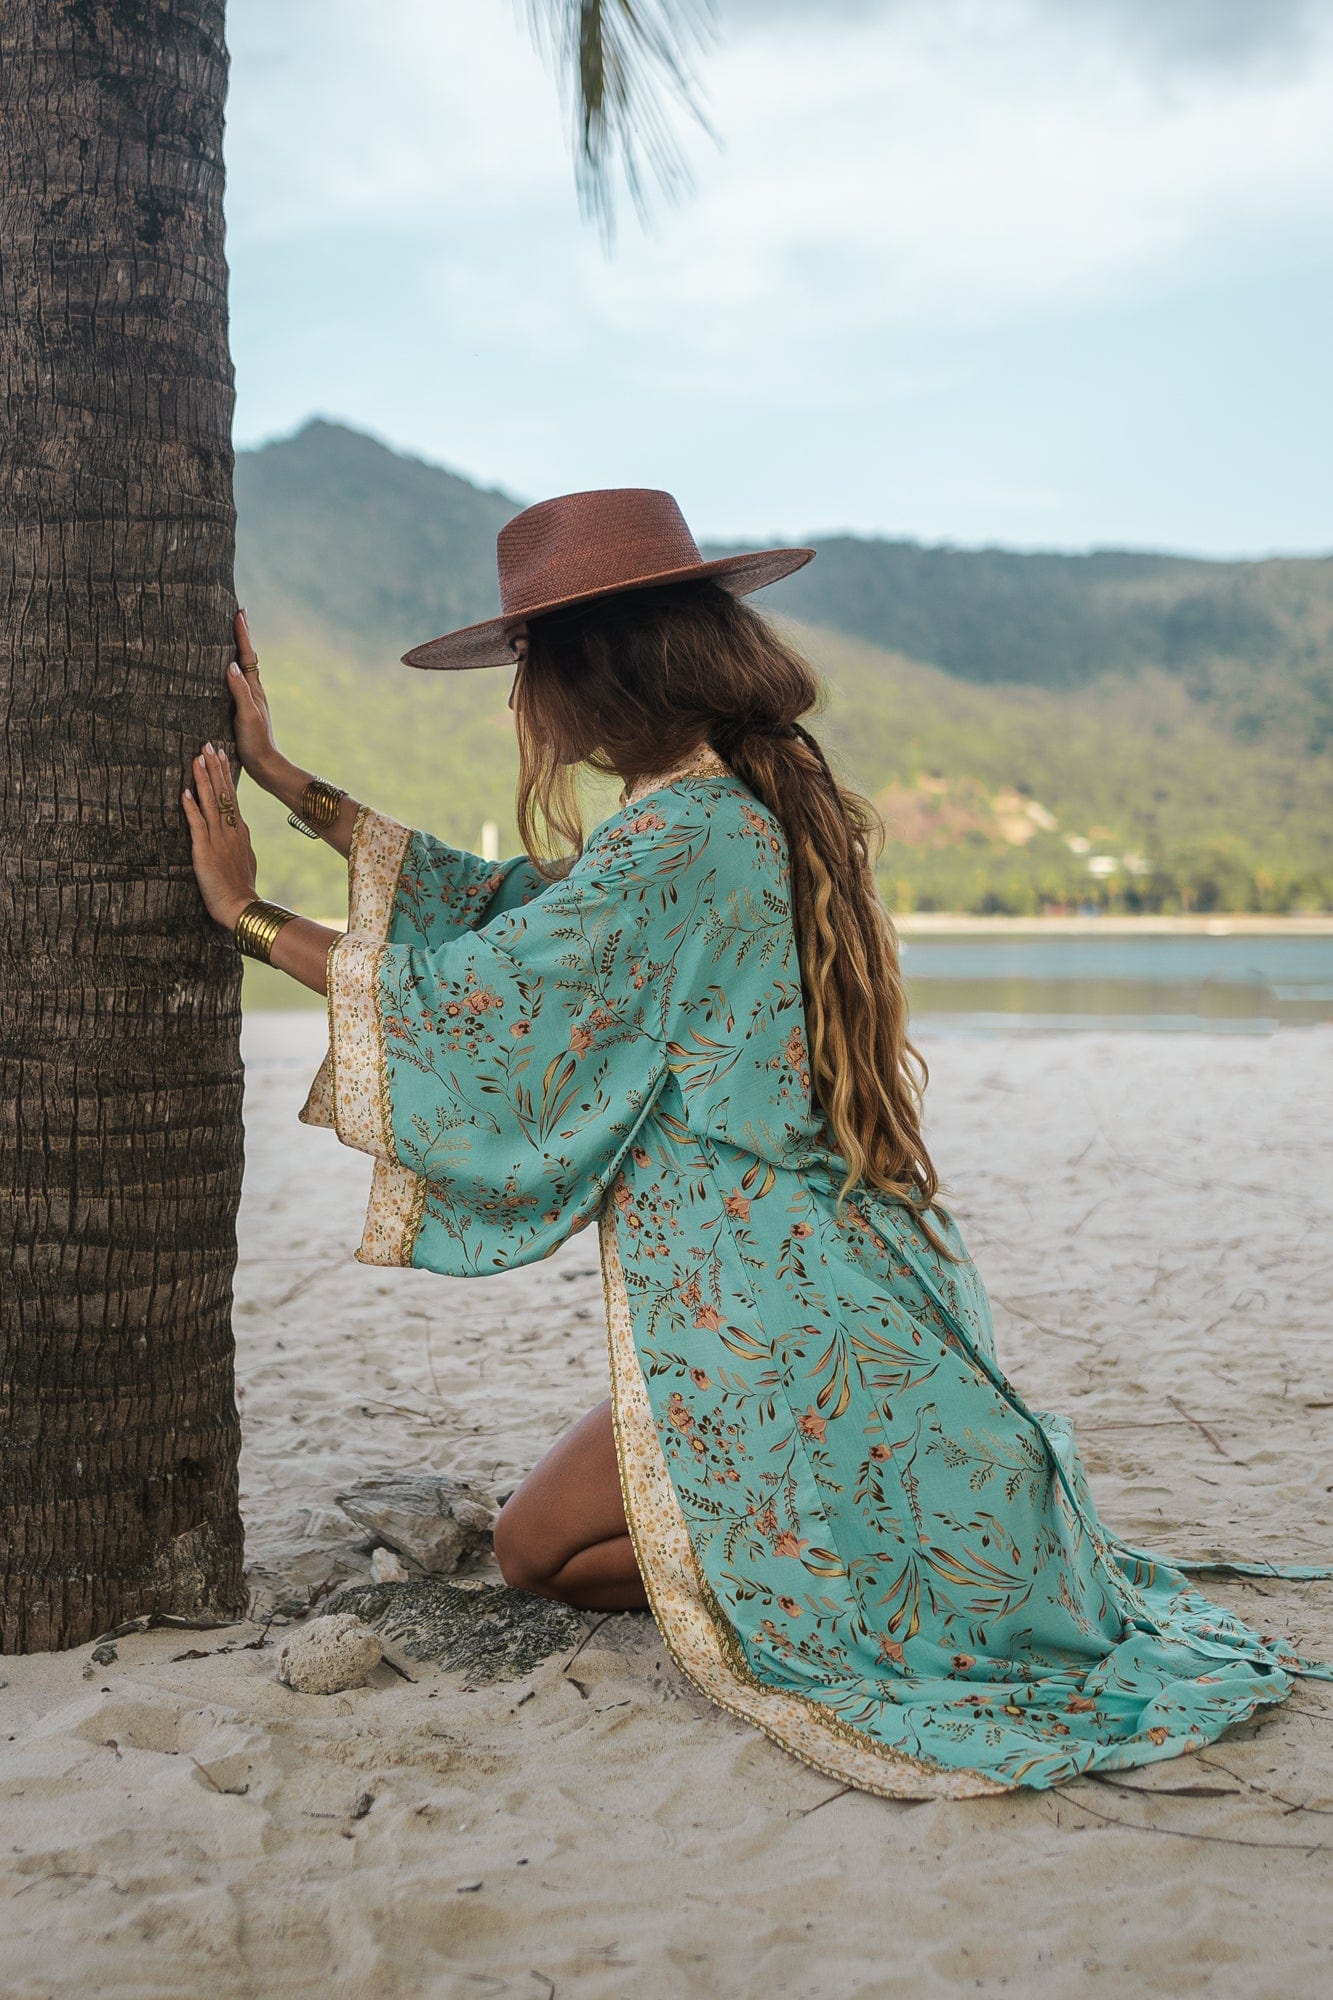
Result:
405,886
498,1072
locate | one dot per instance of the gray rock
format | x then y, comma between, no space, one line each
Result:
433,1522
483,1630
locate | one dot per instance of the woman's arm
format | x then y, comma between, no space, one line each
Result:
286,782
301,949
260,756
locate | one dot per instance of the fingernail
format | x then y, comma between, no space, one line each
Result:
233,668
210,749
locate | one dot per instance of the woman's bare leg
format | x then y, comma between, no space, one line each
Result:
563,1533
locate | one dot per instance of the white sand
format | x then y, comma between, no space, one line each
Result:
1152,1215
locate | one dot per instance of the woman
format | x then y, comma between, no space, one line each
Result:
851,1528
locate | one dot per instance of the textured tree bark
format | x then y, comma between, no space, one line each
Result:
120,1076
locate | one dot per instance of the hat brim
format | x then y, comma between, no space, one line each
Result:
488,644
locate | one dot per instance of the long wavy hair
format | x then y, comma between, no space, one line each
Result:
632,685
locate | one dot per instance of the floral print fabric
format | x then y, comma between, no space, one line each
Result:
899,1565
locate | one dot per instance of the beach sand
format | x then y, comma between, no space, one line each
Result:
1152,1216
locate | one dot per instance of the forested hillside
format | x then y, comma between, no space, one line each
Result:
1117,730
1253,640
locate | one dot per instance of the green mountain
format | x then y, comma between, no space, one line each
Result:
338,535
1254,640
1127,730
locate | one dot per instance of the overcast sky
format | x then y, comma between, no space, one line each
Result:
1048,273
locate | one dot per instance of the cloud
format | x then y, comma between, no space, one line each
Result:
1163,35
1206,35
905,176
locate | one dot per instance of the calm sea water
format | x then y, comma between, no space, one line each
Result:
992,985
1223,985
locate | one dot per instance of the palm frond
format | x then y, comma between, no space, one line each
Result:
626,66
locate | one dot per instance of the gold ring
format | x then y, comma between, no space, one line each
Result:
225,801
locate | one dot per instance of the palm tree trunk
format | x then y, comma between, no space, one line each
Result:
120,1077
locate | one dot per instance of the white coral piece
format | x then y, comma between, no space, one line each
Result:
330,1654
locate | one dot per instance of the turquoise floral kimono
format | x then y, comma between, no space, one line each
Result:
853,1531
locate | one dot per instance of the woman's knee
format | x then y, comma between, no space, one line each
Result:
520,1564
568,1502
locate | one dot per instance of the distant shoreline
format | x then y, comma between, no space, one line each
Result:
944,923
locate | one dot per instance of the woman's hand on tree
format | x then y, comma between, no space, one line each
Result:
260,756
253,724
224,860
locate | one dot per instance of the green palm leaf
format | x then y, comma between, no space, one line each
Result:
626,65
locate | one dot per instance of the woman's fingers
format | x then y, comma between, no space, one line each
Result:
201,844
246,693
243,674
203,791
224,784
215,821
256,750
245,652
207,784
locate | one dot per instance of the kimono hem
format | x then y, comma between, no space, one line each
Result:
853,1531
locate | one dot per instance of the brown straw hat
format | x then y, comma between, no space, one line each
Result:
586,545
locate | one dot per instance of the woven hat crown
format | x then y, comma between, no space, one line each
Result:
585,543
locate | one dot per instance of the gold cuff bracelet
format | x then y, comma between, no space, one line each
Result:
318,808
257,926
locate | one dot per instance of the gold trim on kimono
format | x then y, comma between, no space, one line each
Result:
350,1091
695,1630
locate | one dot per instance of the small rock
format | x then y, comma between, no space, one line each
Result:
483,1630
432,1521
386,1567
105,1653
328,1655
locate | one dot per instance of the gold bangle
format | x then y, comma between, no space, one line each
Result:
318,807
257,926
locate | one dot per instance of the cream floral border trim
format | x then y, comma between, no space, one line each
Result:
394,1208
350,1090
362,1116
694,1628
